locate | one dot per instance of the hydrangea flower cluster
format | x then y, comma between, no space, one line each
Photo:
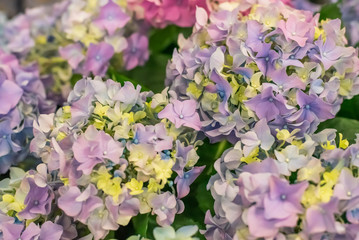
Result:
24,198
300,189
168,233
270,62
170,12
99,31
243,5
82,39
18,34
350,12
107,158
23,98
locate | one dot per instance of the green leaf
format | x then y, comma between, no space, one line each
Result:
140,224
187,218
204,197
349,108
75,78
348,127
331,11
118,77
209,153
110,236
152,75
161,39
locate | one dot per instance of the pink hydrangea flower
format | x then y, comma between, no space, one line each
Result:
179,12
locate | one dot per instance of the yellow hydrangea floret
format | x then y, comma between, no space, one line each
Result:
252,157
10,203
328,146
343,143
135,186
154,186
163,169
100,109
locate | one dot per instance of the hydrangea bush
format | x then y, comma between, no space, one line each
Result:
270,62
23,98
107,158
114,161
83,39
18,35
86,37
305,189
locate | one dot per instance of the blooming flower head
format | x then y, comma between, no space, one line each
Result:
23,98
80,37
271,198
165,12
27,205
349,10
251,63
114,157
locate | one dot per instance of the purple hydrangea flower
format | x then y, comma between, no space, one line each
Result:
10,94
183,182
165,207
98,57
329,52
256,63
320,218
136,53
182,113
269,106
154,135
73,54
111,17
94,147
48,230
269,228
283,194
224,90
312,108
259,136
77,204
38,201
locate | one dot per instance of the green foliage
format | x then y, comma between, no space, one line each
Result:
162,39
110,236
331,11
348,127
152,75
347,120
140,224
75,78
349,109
